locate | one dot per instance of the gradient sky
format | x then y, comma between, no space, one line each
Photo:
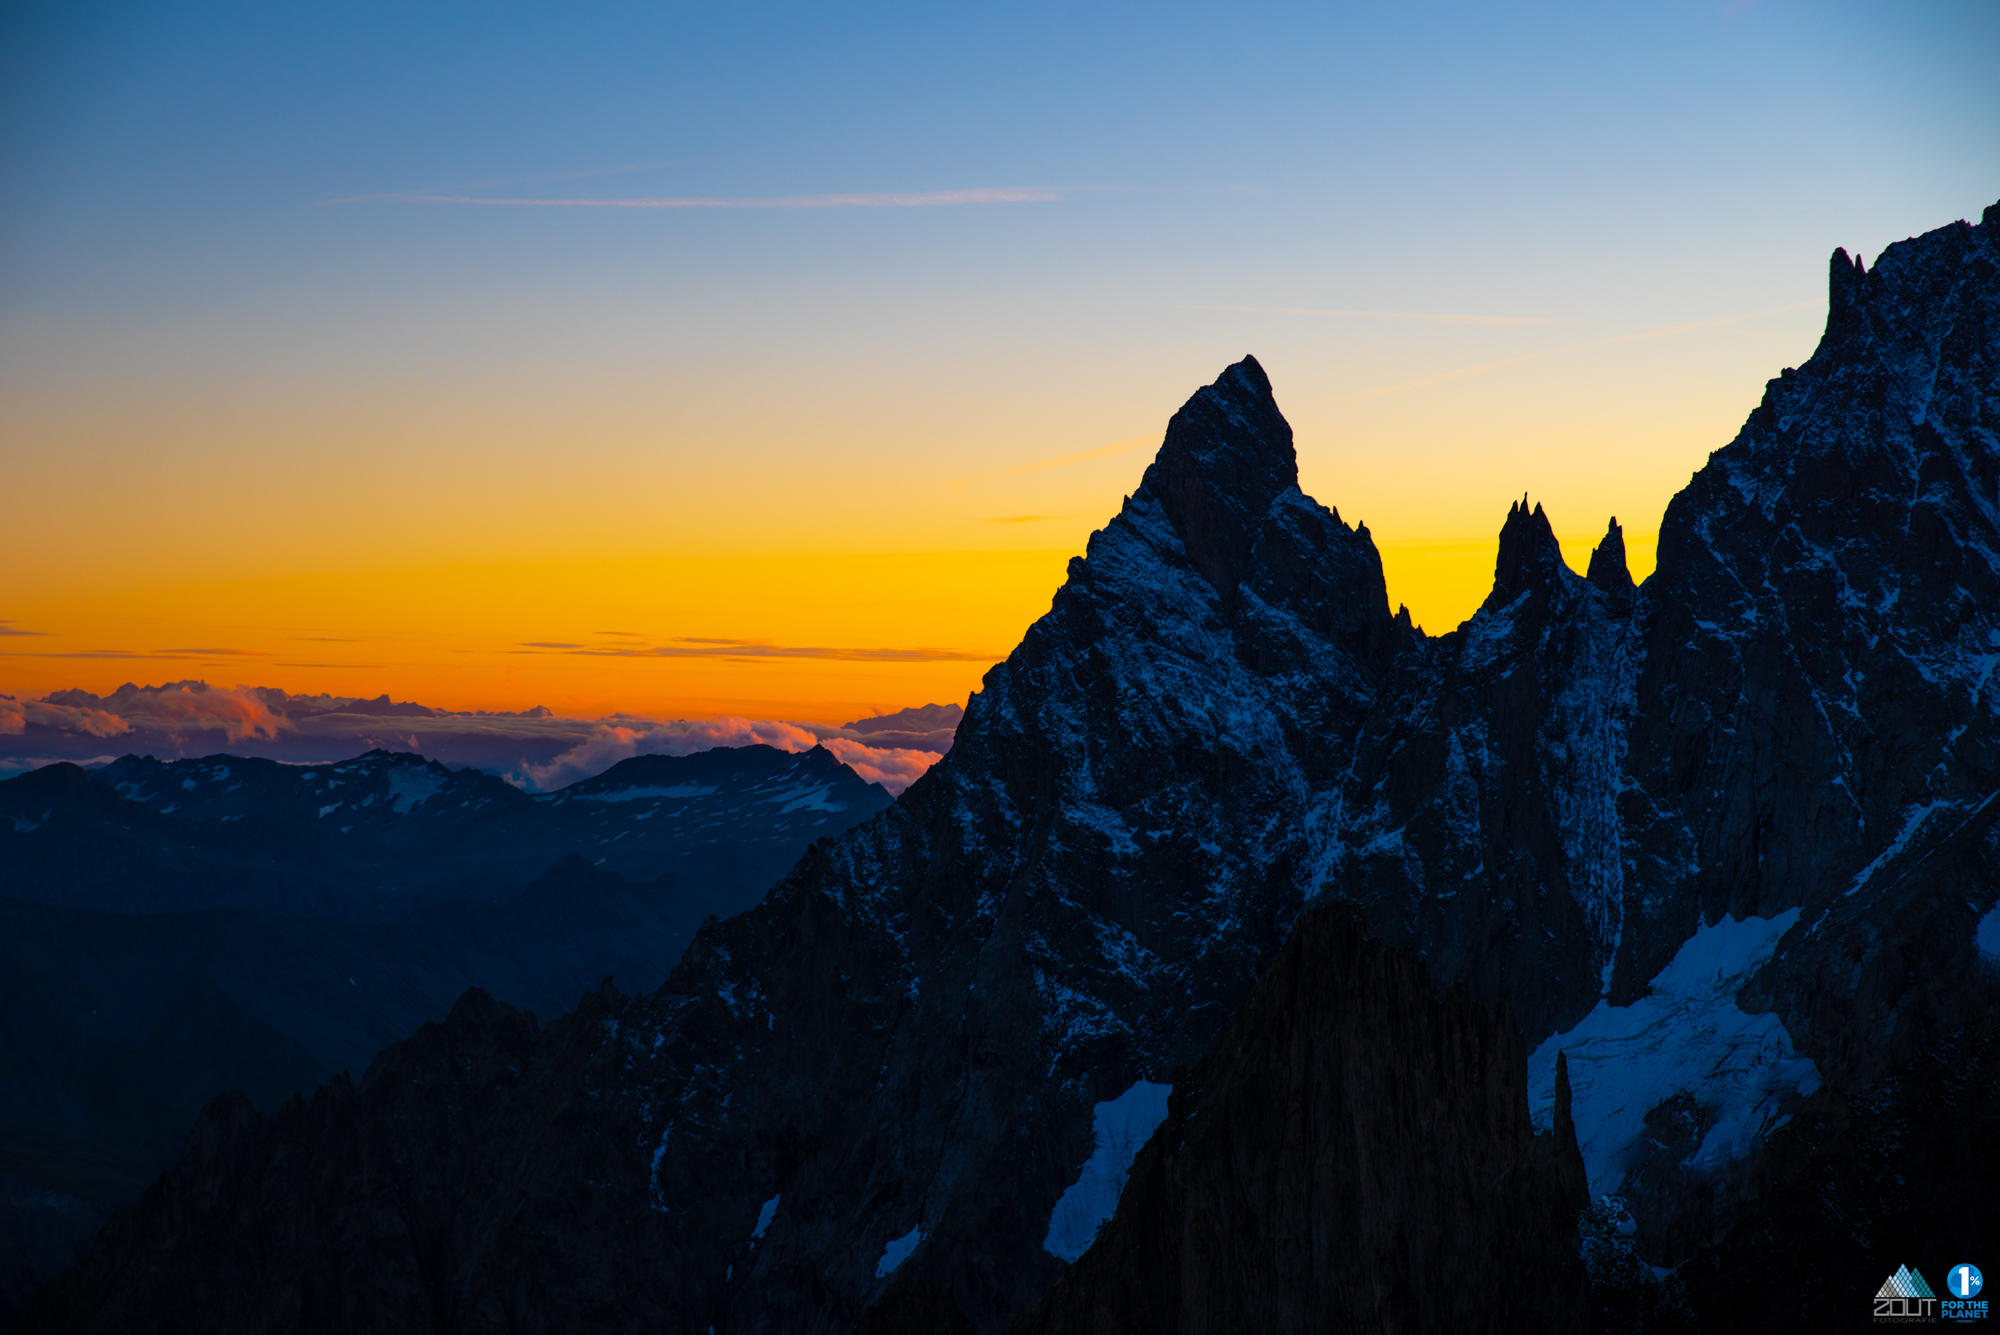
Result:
418,348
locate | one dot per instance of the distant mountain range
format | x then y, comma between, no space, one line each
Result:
534,747
170,930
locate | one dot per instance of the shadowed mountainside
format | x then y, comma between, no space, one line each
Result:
1350,1138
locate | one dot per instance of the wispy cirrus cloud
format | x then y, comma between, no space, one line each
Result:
9,628
1060,461
995,194
488,182
751,650
153,655
213,653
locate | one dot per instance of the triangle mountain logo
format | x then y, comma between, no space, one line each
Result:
1905,1283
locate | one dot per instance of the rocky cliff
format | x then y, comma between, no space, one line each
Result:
1353,1154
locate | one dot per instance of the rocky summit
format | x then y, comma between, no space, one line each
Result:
1720,849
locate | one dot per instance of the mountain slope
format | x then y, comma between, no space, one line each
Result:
372,838
117,1026
120,1026
1721,844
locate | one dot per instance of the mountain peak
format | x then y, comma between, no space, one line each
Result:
1529,557
1227,455
1844,294
1608,570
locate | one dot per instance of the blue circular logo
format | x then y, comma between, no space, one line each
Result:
1964,1281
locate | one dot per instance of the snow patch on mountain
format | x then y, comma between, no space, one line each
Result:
897,1252
1123,1125
806,797
1687,1037
410,786
1987,938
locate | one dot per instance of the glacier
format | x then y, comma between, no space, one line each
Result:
1687,1036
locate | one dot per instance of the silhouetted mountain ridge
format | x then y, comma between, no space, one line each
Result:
1720,848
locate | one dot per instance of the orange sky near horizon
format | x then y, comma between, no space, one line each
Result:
822,638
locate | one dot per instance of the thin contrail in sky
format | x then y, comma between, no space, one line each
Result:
1002,194
1484,367
1101,452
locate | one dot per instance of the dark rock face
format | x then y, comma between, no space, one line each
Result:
1794,715
1862,1186
1722,845
381,1230
1350,1139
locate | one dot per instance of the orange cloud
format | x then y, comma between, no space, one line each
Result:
238,714
694,646
16,715
892,767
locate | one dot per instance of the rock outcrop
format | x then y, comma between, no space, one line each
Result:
1353,1154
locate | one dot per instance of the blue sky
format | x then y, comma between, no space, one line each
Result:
185,153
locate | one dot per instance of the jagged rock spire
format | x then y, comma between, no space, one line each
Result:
1227,455
1574,1184
1608,570
1845,295
1530,557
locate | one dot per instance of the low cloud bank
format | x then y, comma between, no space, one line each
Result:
178,706
611,742
895,768
532,747
16,715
